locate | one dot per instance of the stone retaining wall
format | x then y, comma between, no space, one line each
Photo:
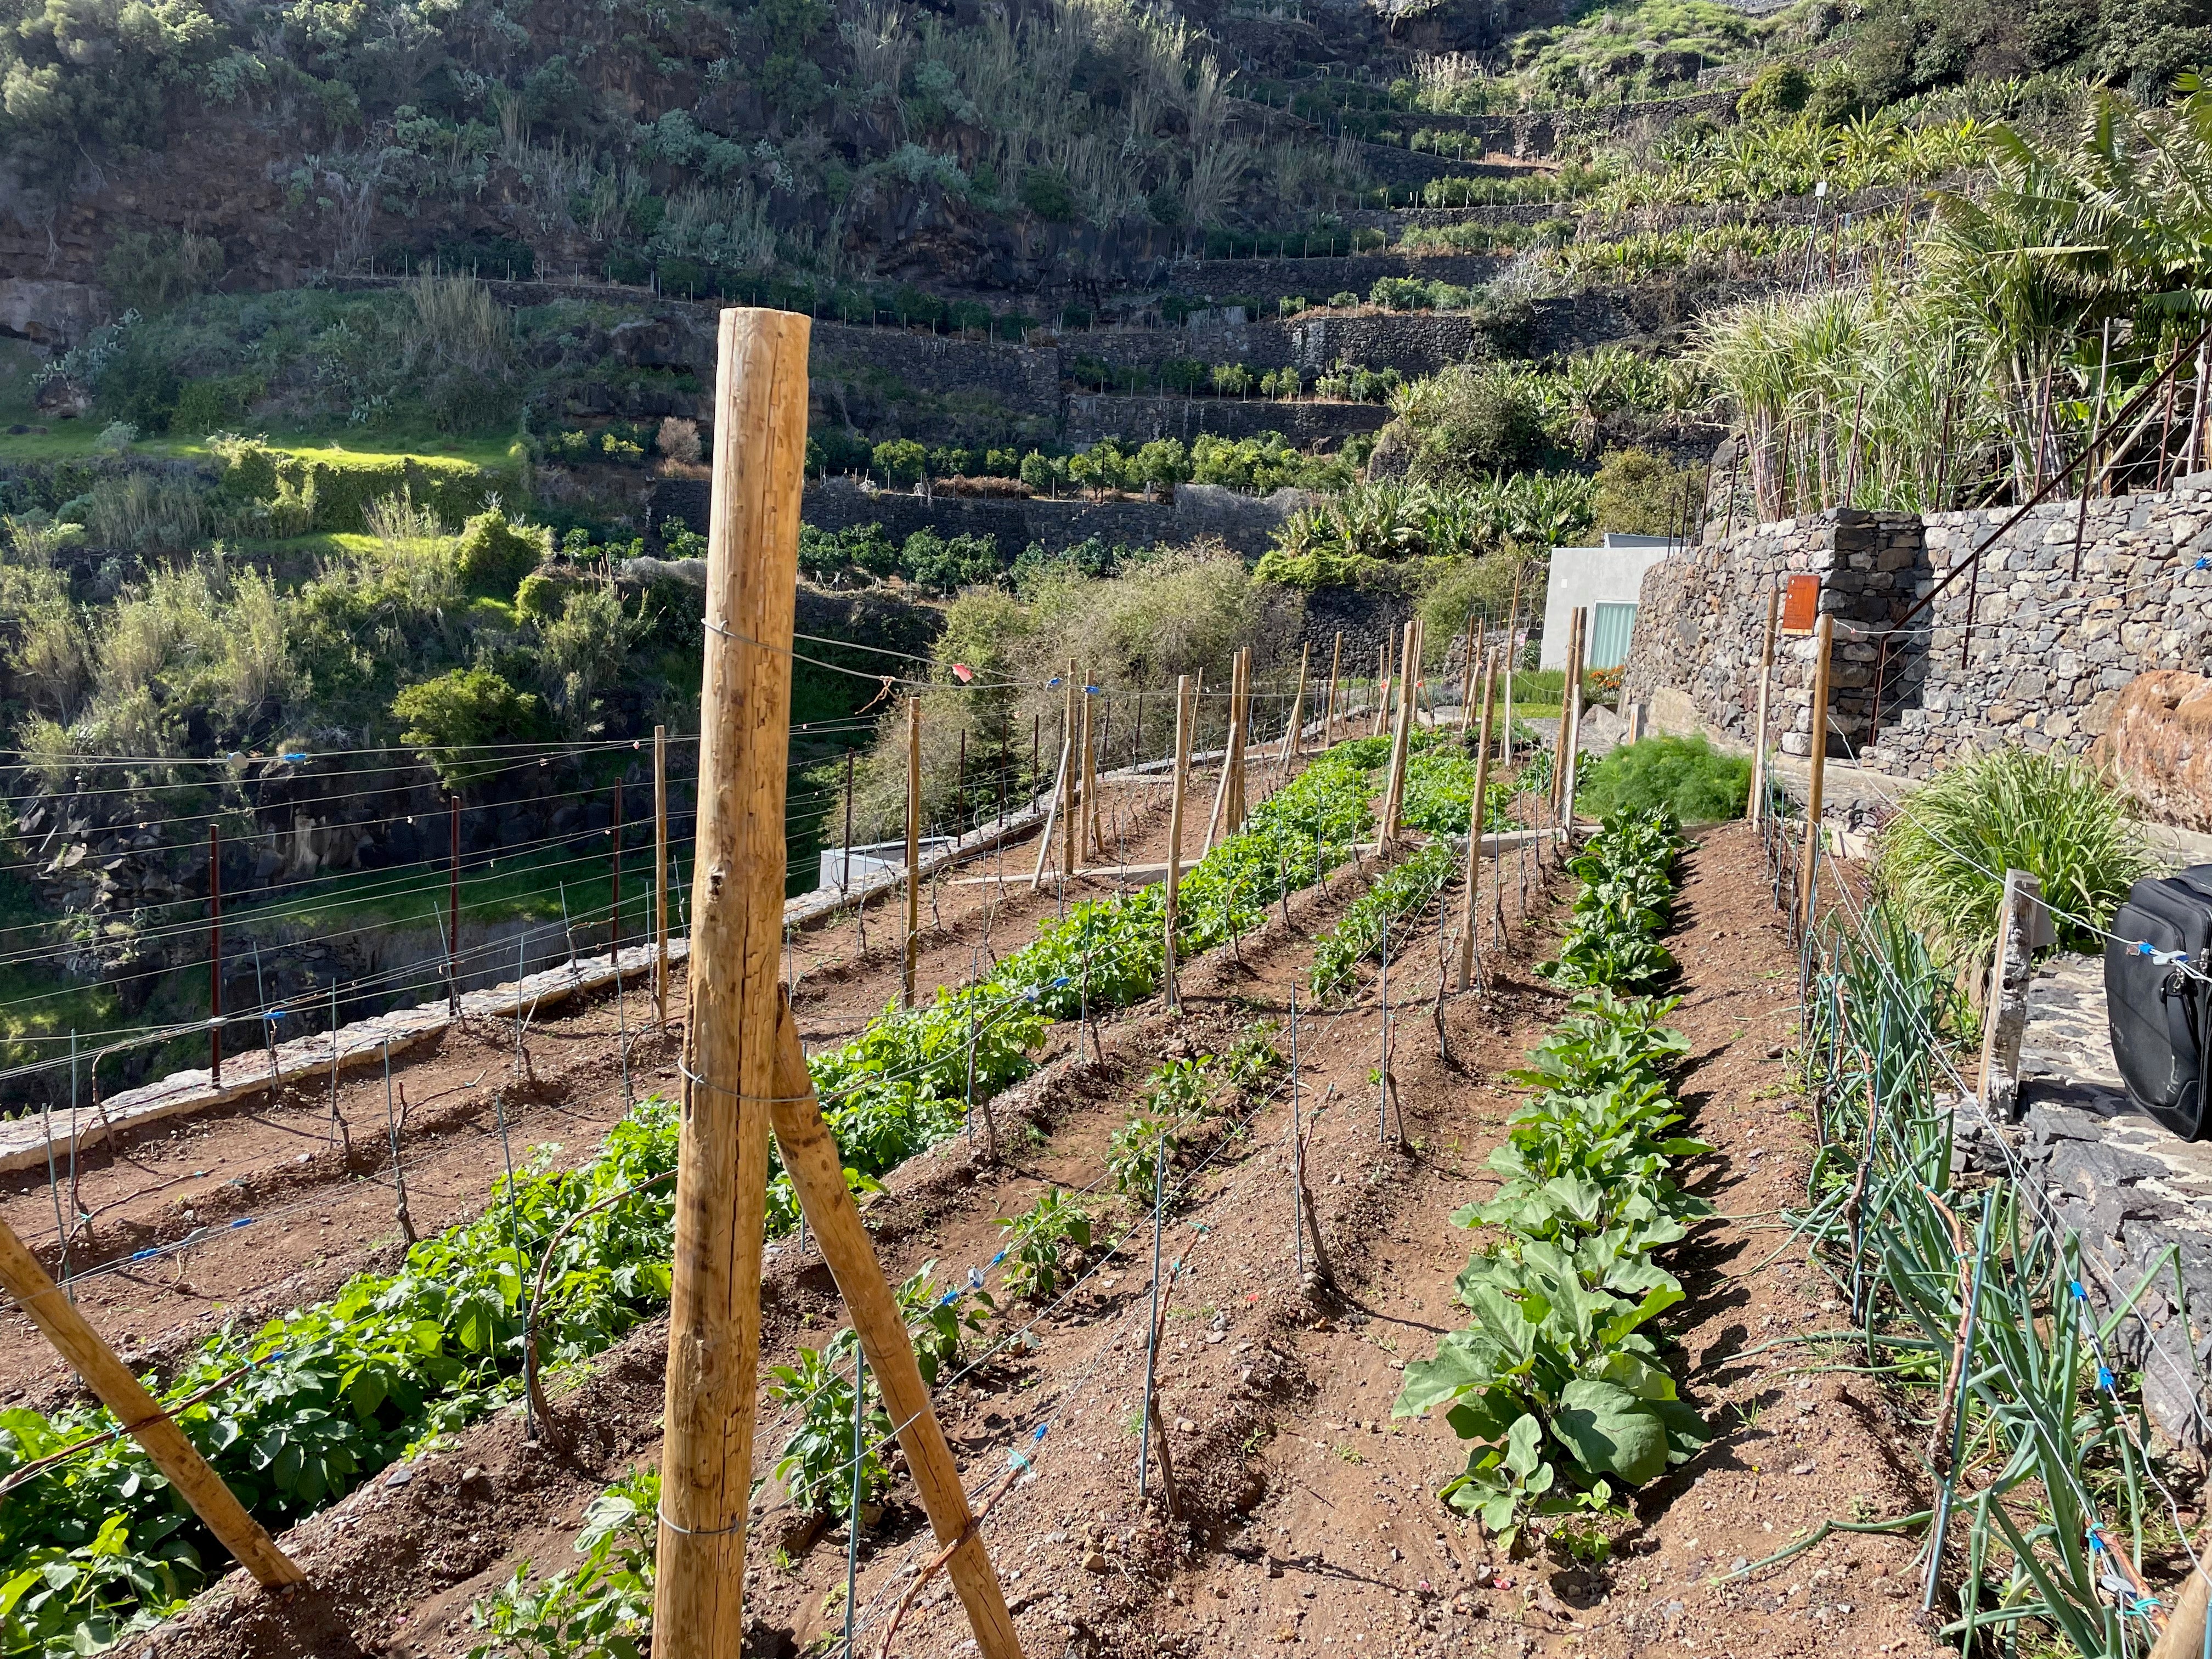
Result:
1304,421
2022,650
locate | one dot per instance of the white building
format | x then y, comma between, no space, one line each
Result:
1608,579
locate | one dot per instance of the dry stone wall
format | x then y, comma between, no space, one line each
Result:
2025,649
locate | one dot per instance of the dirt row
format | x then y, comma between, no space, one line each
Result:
1308,1514
283,1202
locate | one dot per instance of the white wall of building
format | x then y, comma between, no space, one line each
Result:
1610,574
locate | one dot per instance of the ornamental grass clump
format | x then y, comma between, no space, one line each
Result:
1944,859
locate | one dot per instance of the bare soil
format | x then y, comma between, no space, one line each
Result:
1308,1514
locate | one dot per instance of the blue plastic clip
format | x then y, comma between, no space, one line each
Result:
2075,1286
1040,1428
242,1221
141,1256
1054,681
997,1259
295,754
2105,1379
2202,564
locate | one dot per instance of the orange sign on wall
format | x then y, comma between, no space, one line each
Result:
1801,604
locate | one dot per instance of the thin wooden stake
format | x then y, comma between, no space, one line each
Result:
1401,736
660,874
1293,739
1478,821
1328,713
1808,892
1175,834
913,849
731,1056
1757,813
817,1176
140,1414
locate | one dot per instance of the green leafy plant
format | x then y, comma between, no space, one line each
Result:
602,1605
816,1462
1404,892
1683,776
937,1322
1623,906
1044,1245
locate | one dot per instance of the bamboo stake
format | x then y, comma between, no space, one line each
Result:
817,1176
1328,714
140,1414
736,927
912,948
1243,700
1807,891
1175,832
660,874
1477,821
1765,704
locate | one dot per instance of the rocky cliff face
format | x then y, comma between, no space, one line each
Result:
2159,746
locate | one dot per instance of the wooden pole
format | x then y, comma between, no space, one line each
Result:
1089,841
817,1176
1328,714
1401,732
1475,633
1757,813
142,1418
737,938
1220,789
1477,821
2183,1635
1051,818
660,874
1382,688
1175,831
214,955
913,849
1807,892
1072,773
1294,739
1241,700
1571,717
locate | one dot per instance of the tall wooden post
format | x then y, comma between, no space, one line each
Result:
1175,831
1381,688
660,874
913,849
1571,717
1401,736
64,1325
454,903
1475,631
732,1052
1808,889
1293,739
1092,844
1478,821
1328,714
817,1176
1240,702
1757,812
1070,791
215,955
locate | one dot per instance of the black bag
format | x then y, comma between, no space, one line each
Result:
2160,1014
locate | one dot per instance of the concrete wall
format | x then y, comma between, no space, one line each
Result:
2020,650
1589,576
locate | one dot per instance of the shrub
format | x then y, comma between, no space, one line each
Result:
1944,858
899,462
678,440
1684,775
1778,89
461,710
492,555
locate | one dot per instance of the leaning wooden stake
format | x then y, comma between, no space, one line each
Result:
1757,813
660,875
1051,818
1072,800
1293,739
913,950
731,1054
1809,890
140,1414
1477,821
817,1176
1175,834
